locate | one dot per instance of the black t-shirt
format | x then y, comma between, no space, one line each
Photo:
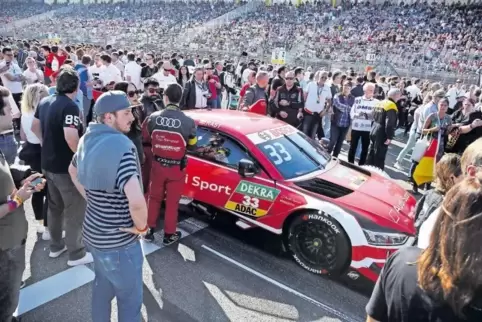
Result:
398,298
466,139
55,113
147,71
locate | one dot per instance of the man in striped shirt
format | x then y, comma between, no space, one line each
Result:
106,172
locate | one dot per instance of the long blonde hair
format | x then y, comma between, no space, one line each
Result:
31,97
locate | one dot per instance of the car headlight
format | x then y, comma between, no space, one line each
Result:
385,239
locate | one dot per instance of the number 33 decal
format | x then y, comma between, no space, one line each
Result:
278,153
251,202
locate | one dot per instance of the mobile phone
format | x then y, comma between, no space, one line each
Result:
35,182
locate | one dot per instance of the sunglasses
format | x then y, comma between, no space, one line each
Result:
290,78
133,93
153,90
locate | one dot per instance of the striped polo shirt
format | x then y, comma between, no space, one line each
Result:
107,212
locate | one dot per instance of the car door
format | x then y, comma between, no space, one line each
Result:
215,181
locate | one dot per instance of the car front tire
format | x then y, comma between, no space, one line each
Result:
318,243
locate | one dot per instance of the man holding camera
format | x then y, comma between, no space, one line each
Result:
13,231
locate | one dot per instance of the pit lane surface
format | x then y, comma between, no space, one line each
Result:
215,273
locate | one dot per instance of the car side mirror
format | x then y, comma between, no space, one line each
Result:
246,168
324,142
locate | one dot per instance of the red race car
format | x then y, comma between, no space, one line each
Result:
335,217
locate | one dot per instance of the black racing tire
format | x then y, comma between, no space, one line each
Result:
319,244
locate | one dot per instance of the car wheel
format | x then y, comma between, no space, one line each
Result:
376,170
319,244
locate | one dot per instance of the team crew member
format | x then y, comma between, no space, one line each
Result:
58,125
256,99
383,128
170,134
106,171
289,101
361,116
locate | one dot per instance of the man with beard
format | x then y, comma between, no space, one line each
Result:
289,101
170,134
106,172
151,102
383,128
256,100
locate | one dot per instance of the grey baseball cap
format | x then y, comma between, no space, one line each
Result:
110,102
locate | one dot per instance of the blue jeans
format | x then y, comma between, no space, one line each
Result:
8,146
213,103
118,273
326,123
412,139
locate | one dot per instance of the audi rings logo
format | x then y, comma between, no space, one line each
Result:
265,136
168,122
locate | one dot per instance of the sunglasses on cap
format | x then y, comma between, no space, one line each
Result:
132,93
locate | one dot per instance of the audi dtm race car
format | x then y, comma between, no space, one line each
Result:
334,217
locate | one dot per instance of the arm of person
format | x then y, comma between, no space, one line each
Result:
137,202
391,124
36,126
248,98
23,136
73,176
469,127
71,124
192,140
15,112
146,136
427,123
339,105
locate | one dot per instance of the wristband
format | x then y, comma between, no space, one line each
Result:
18,200
141,231
13,203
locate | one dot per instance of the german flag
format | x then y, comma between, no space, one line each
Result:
424,172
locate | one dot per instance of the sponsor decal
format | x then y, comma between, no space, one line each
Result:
399,207
264,135
196,181
310,269
323,218
210,124
168,122
252,199
353,275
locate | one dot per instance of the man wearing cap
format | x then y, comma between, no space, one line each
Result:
106,172
453,93
383,128
170,133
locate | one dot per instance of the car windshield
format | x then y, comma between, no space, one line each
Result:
295,154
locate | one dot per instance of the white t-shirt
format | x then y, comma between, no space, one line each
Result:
316,97
26,121
96,71
361,113
163,80
452,95
14,87
133,70
34,77
413,91
426,229
110,74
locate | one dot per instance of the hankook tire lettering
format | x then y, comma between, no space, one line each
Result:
326,221
168,122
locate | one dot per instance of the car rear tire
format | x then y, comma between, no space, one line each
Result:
319,244
376,170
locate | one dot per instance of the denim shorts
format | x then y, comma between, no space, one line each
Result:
8,146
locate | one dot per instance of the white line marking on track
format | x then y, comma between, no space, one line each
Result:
48,289
325,307
55,286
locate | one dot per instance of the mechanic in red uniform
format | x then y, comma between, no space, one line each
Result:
171,133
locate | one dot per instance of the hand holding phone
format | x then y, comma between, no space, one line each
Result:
36,182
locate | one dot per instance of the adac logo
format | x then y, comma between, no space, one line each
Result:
264,135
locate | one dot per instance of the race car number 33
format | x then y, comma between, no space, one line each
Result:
252,199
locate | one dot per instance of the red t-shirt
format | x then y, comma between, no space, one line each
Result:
243,90
212,86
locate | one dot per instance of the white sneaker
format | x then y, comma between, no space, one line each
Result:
46,234
398,166
81,261
41,229
58,253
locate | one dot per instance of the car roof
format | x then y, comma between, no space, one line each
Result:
234,121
